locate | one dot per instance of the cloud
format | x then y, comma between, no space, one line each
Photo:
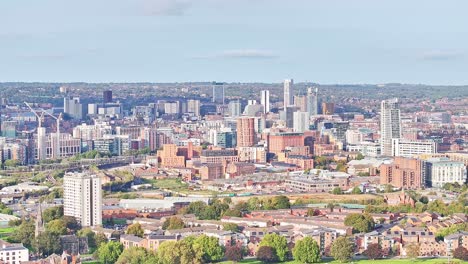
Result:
241,54
165,7
441,55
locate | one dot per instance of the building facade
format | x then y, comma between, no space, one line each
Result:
82,198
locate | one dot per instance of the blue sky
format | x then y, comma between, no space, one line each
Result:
324,41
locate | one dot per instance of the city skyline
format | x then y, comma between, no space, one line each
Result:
330,42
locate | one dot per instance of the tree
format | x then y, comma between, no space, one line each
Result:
281,202
57,226
232,212
424,200
52,213
359,156
172,223
109,252
24,233
412,250
461,253
100,238
135,229
337,190
196,208
307,251
267,254
388,188
183,251
209,246
12,163
48,243
356,190
342,249
234,253
137,255
360,222
90,235
278,243
71,223
231,227
373,251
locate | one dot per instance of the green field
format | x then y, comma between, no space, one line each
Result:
6,232
383,261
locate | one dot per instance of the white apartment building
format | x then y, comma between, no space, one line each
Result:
265,100
368,149
300,121
288,93
409,148
390,124
82,198
13,253
442,170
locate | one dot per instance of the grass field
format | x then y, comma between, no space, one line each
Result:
6,232
383,261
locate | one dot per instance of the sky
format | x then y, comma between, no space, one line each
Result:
322,41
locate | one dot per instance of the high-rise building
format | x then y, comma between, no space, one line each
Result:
234,108
107,96
265,100
390,124
218,93
312,101
73,107
408,148
82,198
193,106
300,101
288,116
328,108
245,132
288,92
301,121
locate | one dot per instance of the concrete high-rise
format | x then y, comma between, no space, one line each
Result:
301,121
265,100
82,198
73,107
234,108
107,96
288,92
193,106
218,93
245,132
312,101
288,116
328,108
390,124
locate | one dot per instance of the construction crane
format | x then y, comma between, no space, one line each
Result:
41,134
56,151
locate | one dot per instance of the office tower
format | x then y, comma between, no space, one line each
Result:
408,148
288,116
390,124
149,138
288,92
73,107
301,121
218,93
265,100
245,132
171,108
312,101
193,106
107,96
328,108
82,198
234,108
300,101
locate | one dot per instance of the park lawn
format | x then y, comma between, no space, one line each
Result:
7,230
172,184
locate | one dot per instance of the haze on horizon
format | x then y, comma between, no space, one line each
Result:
323,41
